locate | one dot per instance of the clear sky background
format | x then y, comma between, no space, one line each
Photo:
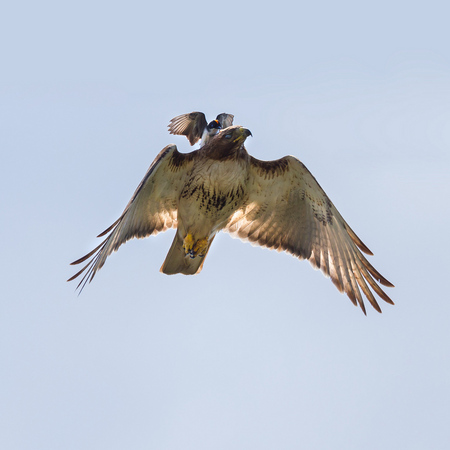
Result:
259,351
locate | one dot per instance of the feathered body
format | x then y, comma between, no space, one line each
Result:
275,204
212,191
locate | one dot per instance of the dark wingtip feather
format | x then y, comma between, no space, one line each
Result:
385,282
363,247
376,306
387,299
85,257
363,307
111,227
77,274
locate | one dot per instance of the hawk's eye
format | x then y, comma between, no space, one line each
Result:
228,136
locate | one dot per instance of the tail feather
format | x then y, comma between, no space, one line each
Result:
177,262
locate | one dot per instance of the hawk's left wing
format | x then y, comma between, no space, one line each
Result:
288,210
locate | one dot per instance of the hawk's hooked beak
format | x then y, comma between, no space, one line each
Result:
246,132
243,134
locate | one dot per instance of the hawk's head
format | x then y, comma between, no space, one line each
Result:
233,136
227,142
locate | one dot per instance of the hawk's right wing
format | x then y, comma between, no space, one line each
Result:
152,209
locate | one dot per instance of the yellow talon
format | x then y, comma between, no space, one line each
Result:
188,243
200,247
195,248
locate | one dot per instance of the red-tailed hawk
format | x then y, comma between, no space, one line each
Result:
194,126
274,204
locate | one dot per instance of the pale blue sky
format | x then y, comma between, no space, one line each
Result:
259,351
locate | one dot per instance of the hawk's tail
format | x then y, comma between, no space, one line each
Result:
178,262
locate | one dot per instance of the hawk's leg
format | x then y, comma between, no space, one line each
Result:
188,245
195,248
201,247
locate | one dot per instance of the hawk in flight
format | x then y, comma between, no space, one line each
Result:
220,187
194,126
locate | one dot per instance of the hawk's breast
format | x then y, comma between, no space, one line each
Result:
215,189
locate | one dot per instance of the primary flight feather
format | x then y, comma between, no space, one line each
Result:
220,187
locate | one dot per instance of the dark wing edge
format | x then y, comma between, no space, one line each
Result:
152,209
225,120
287,210
190,125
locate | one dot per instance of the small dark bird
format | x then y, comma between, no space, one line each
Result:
194,126
220,187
